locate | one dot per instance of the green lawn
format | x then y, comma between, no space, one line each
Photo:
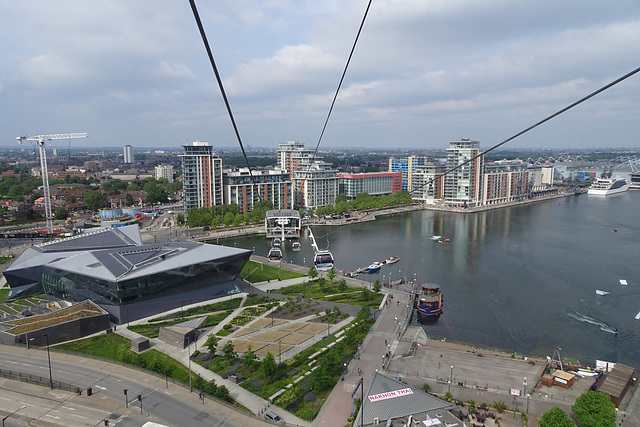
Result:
255,272
3,295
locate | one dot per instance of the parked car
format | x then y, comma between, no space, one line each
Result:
273,417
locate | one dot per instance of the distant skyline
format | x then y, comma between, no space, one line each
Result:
425,72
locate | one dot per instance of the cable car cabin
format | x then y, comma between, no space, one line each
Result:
323,260
275,255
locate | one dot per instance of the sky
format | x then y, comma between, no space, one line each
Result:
424,72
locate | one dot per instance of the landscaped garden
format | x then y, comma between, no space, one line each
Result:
255,272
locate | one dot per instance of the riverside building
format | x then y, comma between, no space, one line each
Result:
272,185
463,186
406,166
314,181
374,183
201,176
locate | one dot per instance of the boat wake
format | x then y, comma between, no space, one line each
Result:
603,326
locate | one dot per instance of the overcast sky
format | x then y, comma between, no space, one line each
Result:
425,72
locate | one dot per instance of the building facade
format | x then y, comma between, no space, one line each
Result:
202,176
164,171
128,154
463,184
314,182
374,183
428,182
406,166
272,185
504,181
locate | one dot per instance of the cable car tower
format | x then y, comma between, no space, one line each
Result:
40,139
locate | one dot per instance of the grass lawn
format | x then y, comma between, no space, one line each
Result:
3,294
255,272
334,292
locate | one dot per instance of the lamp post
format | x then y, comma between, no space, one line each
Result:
22,407
279,352
189,357
514,406
451,377
49,359
524,386
528,395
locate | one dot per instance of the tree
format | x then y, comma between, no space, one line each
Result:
229,352
377,286
268,366
342,285
61,213
250,358
237,219
25,212
211,343
128,198
331,274
95,200
594,409
313,273
555,417
228,219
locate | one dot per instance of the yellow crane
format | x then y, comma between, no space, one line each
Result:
40,140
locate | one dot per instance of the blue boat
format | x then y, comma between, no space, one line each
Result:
429,303
376,266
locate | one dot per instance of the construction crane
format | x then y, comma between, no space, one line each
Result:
40,139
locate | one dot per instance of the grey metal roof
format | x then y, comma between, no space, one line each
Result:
416,403
99,238
132,262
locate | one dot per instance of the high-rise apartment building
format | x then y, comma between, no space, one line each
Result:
128,154
202,176
463,186
406,166
314,182
164,171
272,185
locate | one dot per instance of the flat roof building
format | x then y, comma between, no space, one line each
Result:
373,183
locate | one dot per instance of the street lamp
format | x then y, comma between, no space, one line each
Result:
49,358
22,407
528,395
524,386
189,357
451,377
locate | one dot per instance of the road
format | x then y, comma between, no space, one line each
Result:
167,404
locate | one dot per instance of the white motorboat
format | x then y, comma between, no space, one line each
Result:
607,186
599,292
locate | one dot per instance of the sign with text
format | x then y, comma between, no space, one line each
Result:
515,392
390,394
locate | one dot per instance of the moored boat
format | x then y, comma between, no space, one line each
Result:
429,302
607,186
374,267
392,259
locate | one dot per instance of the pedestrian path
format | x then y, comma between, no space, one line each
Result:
254,403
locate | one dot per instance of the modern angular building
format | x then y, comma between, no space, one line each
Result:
128,279
201,176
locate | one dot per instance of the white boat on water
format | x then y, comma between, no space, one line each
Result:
392,259
599,292
607,186
374,267
436,237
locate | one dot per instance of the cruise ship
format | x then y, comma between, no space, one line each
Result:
607,186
